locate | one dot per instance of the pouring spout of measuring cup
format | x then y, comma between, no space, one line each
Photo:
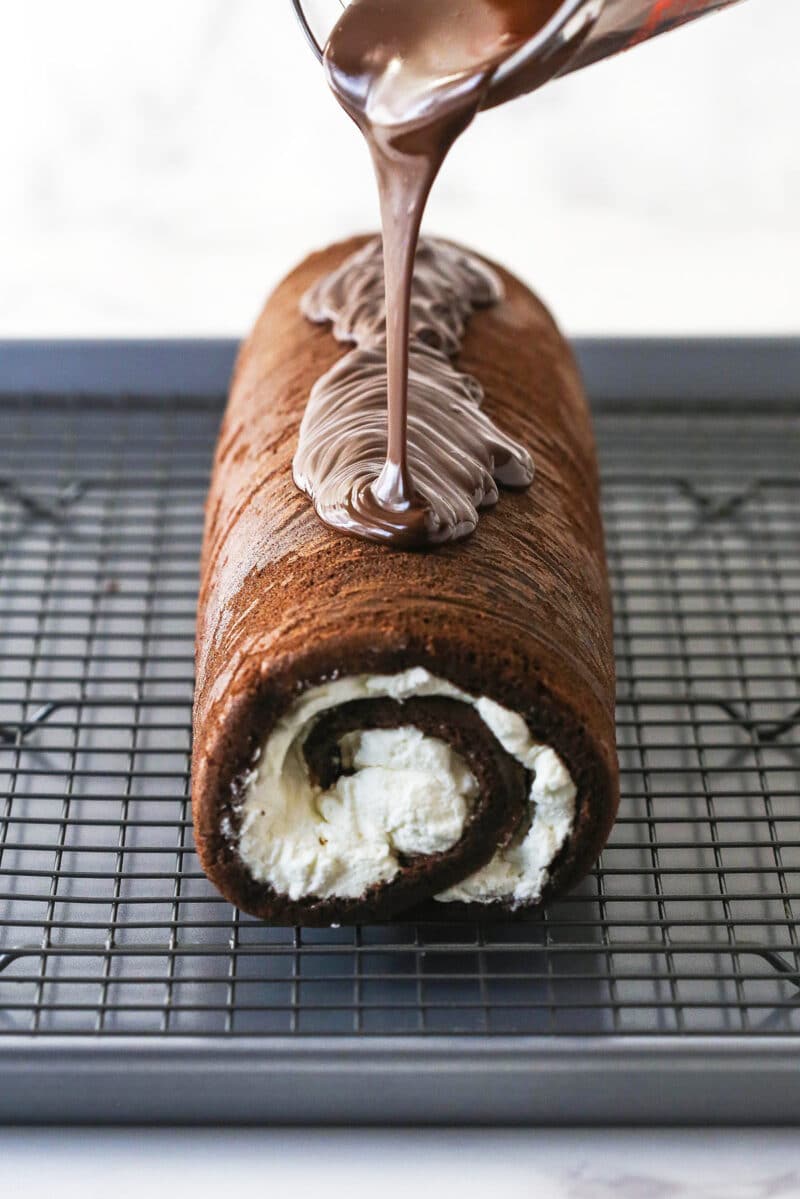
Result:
578,33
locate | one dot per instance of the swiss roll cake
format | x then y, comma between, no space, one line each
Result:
378,727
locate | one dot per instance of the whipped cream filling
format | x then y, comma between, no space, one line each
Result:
408,794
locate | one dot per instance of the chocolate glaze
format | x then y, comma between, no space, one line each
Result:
411,74
455,453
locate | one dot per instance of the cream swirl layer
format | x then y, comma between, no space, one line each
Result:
404,794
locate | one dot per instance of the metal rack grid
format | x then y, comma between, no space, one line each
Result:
107,925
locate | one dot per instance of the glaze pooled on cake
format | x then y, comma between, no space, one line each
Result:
456,454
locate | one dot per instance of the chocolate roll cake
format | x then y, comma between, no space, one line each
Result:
376,728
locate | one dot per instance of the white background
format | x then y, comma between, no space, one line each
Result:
163,163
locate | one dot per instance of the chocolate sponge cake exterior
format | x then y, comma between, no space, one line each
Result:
518,614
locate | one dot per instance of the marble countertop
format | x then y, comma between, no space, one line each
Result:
467,1164
165,164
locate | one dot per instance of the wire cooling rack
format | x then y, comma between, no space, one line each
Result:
109,928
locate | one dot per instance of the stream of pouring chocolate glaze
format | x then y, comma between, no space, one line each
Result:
412,74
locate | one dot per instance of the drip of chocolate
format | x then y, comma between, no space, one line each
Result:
411,74
453,451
